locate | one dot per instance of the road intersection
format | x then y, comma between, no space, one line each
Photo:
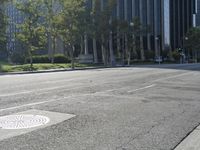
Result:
131,108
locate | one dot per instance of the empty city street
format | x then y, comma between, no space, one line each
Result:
129,108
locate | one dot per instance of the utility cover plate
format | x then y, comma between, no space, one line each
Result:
13,122
28,121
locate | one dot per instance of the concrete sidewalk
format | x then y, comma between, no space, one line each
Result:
51,70
191,142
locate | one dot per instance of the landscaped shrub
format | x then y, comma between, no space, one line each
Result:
149,55
41,59
176,55
58,58
17,58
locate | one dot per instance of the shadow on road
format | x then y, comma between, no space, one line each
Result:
190,67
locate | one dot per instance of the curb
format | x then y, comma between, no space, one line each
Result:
51,71
93,68
191,141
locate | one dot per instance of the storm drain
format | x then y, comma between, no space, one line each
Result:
14,122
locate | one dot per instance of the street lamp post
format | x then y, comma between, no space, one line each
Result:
159,57
128,51
184,50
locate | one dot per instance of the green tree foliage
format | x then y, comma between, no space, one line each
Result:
192,42
70,21
129,31
102,25
31,32
51,16
3,23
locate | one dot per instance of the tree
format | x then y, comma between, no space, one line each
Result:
31,32
3,23
102,20
136,30
129,31
192,41
69,24
51,17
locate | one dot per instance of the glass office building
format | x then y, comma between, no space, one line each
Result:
168,20
182,17
198,13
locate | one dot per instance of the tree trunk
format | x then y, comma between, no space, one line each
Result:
112,59
54,50
123,51
134,46
118,45
141,3
0,67
129,58
81,44
95,51
31,60
142,49
126,47
72,57
196,56
86,44
50,51
103,51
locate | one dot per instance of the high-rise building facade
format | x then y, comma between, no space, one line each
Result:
14,18
169,20
198,13
182,17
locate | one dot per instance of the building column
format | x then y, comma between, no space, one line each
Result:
188,15
179,29
112,59
162,27
86,44
104,57
156,27
148,24
94,42
126,19
133,8
126,10
133,16
174,24
183,17
118,38
141,36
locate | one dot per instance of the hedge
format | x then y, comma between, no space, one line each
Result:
58,58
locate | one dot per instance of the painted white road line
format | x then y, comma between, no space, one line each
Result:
60,87
143,88
171,77
88,94
14,94
32,91
42,102
26,105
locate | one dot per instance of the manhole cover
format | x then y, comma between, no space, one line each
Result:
22,121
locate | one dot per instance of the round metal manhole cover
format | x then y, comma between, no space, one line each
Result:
22,121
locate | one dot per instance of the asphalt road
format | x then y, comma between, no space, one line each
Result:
137,108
